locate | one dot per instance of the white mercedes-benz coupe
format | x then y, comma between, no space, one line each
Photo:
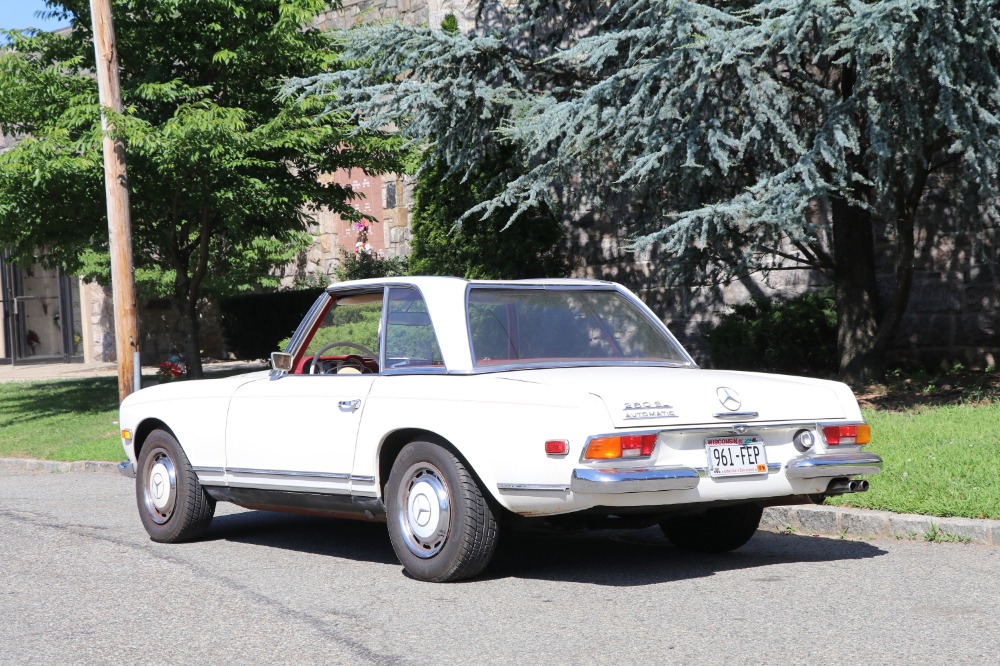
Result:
450,409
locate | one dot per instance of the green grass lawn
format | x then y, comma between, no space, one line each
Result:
75,419
939,460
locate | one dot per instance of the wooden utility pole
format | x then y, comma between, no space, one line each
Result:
116,188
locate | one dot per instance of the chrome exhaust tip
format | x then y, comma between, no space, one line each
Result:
845,486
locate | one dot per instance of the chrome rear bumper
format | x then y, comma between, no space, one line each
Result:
833,464
609,481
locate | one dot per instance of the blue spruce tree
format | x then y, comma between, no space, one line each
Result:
763,136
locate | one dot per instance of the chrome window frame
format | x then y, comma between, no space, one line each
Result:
417,370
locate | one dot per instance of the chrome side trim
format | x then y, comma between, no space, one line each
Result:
209,470
126,469
833,464
542,487
255,484
639,480
363,486
272,472
772,468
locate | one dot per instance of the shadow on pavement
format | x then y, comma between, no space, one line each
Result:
350,539
645,557
618,558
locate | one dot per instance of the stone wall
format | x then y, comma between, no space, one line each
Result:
388,198
410,12
953,315
353,12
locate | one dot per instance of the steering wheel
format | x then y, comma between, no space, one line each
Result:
342,343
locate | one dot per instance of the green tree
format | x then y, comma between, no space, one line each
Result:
776,135
224,175
492,247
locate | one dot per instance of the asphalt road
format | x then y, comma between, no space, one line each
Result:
81,583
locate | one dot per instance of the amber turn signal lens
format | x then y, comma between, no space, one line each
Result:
126,434
624,446
864,434
604,448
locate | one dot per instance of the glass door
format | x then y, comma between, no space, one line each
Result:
41,314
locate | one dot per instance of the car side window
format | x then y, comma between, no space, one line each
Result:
410,341
347,339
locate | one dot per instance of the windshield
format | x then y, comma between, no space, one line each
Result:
564,326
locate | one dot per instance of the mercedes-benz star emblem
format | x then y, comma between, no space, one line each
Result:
423,507
729,398
158,486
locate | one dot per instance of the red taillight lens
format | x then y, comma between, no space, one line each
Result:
623,446
835,435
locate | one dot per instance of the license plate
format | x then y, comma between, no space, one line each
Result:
739,455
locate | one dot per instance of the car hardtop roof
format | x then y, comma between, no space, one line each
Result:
432,281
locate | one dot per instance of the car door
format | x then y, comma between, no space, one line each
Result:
296,432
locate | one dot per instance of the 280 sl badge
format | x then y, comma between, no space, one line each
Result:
648,409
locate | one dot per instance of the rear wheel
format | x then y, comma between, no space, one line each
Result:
717,530
173,506
441,525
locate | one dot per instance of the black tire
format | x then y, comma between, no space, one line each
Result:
173,506
441,525
717,530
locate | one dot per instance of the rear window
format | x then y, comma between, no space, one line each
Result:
552,326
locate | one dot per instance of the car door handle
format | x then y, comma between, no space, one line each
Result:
351,405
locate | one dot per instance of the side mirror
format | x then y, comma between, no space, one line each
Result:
282,361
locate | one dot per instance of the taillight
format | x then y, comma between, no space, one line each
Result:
859,434
620,446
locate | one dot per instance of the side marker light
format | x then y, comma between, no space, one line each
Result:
556,447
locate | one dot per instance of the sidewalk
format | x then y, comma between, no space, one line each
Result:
49,371
42,371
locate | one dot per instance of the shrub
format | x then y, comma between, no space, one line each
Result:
363,265
798,336
254,324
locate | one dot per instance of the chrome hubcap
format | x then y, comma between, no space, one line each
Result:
423,510
159,490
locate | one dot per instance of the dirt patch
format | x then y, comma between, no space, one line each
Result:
908,392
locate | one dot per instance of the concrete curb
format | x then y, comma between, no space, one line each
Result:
848,523
56,467
809,519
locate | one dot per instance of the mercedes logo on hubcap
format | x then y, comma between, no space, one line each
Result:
158,486
422,510
729,398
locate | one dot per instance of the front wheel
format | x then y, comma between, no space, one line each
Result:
173,506
441,526
717,530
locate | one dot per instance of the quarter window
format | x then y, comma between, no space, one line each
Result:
410,341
